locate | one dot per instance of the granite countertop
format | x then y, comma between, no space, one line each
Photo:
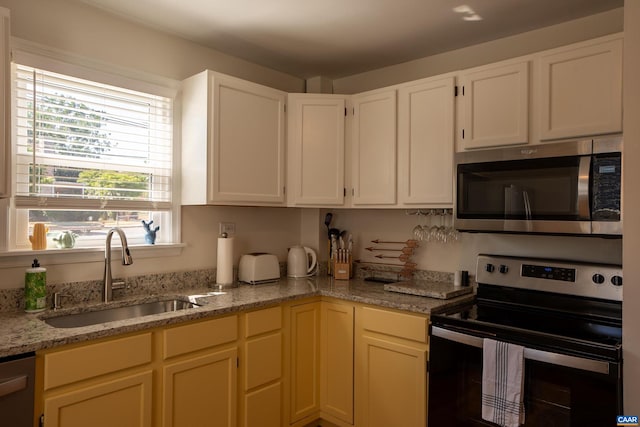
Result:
22,332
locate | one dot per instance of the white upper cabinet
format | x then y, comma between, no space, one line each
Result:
315,150
496,105
581,89
426,142
373,159
5,104
233,142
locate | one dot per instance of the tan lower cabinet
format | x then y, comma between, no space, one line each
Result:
262,407
319,359
80,385
125,401
336,362
201,391
200,374
180,376
261,368
391,374
304,358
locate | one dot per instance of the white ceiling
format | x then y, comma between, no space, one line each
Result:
336,38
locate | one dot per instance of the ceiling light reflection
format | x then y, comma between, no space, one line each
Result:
470,14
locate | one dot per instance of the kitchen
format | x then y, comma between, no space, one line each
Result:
288,226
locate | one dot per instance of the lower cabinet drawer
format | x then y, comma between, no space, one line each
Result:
200,335
407,326
80,363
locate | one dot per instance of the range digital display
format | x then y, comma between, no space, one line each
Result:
549,272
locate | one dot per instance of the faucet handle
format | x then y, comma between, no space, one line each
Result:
56,300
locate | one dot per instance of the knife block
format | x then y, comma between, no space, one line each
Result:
343,270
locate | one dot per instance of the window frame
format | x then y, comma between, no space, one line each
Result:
38,56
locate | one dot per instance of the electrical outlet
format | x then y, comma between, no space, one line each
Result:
227,227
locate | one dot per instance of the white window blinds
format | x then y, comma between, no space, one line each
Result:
85,145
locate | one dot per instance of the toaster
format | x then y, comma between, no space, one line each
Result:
258,267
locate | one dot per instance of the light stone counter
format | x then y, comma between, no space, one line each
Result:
21,332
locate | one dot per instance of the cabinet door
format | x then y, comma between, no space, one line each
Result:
262,407
496,105
201,391
374,149
316,150
248,142
5,104
336,361
122,402
392,384
581,90
305,358
263,360
426,143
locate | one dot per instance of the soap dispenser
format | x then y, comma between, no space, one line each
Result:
35,288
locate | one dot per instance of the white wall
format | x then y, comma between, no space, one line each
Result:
395,225
631,246
257,230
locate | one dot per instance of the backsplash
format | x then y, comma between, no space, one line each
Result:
90,292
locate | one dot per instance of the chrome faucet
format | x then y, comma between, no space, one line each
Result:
109,285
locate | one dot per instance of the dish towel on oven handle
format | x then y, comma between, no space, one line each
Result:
503,383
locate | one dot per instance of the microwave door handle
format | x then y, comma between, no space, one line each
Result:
564,360
527,204
584,167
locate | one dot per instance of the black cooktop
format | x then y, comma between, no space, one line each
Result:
572,325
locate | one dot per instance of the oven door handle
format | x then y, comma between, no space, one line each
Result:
565,360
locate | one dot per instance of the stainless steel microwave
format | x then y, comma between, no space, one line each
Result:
572,187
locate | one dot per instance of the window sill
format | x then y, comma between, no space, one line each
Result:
20,258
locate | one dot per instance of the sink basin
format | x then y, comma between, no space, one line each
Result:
118,313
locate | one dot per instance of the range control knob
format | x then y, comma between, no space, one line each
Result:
598,278
503,269
490,268
616,280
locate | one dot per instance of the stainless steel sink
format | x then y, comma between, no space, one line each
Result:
118,313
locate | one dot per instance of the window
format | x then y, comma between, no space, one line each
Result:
88,157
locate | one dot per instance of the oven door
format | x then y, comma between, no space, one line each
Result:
560,390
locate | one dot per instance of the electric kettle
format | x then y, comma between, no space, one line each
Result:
301,261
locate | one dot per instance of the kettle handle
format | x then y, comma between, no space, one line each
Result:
314,259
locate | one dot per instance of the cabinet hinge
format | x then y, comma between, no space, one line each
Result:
41,421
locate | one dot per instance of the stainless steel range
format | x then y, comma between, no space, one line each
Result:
568,318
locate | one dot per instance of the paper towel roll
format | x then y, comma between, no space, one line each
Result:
224,269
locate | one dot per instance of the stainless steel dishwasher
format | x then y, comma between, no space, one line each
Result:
17,375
